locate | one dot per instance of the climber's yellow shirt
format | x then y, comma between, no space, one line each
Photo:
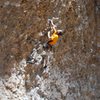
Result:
53,39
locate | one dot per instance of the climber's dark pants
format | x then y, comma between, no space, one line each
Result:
47,45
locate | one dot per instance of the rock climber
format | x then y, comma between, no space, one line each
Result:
53,39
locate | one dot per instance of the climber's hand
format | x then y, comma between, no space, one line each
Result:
50,22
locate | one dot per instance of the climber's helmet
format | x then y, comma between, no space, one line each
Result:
59,32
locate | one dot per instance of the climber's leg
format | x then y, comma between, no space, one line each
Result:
45,46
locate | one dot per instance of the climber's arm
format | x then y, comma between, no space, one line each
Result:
54,29
53,25
49,35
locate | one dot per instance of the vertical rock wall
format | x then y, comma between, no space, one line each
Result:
72,64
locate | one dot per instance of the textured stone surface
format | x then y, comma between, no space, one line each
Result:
73,64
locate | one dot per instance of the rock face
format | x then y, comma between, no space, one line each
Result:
72,71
